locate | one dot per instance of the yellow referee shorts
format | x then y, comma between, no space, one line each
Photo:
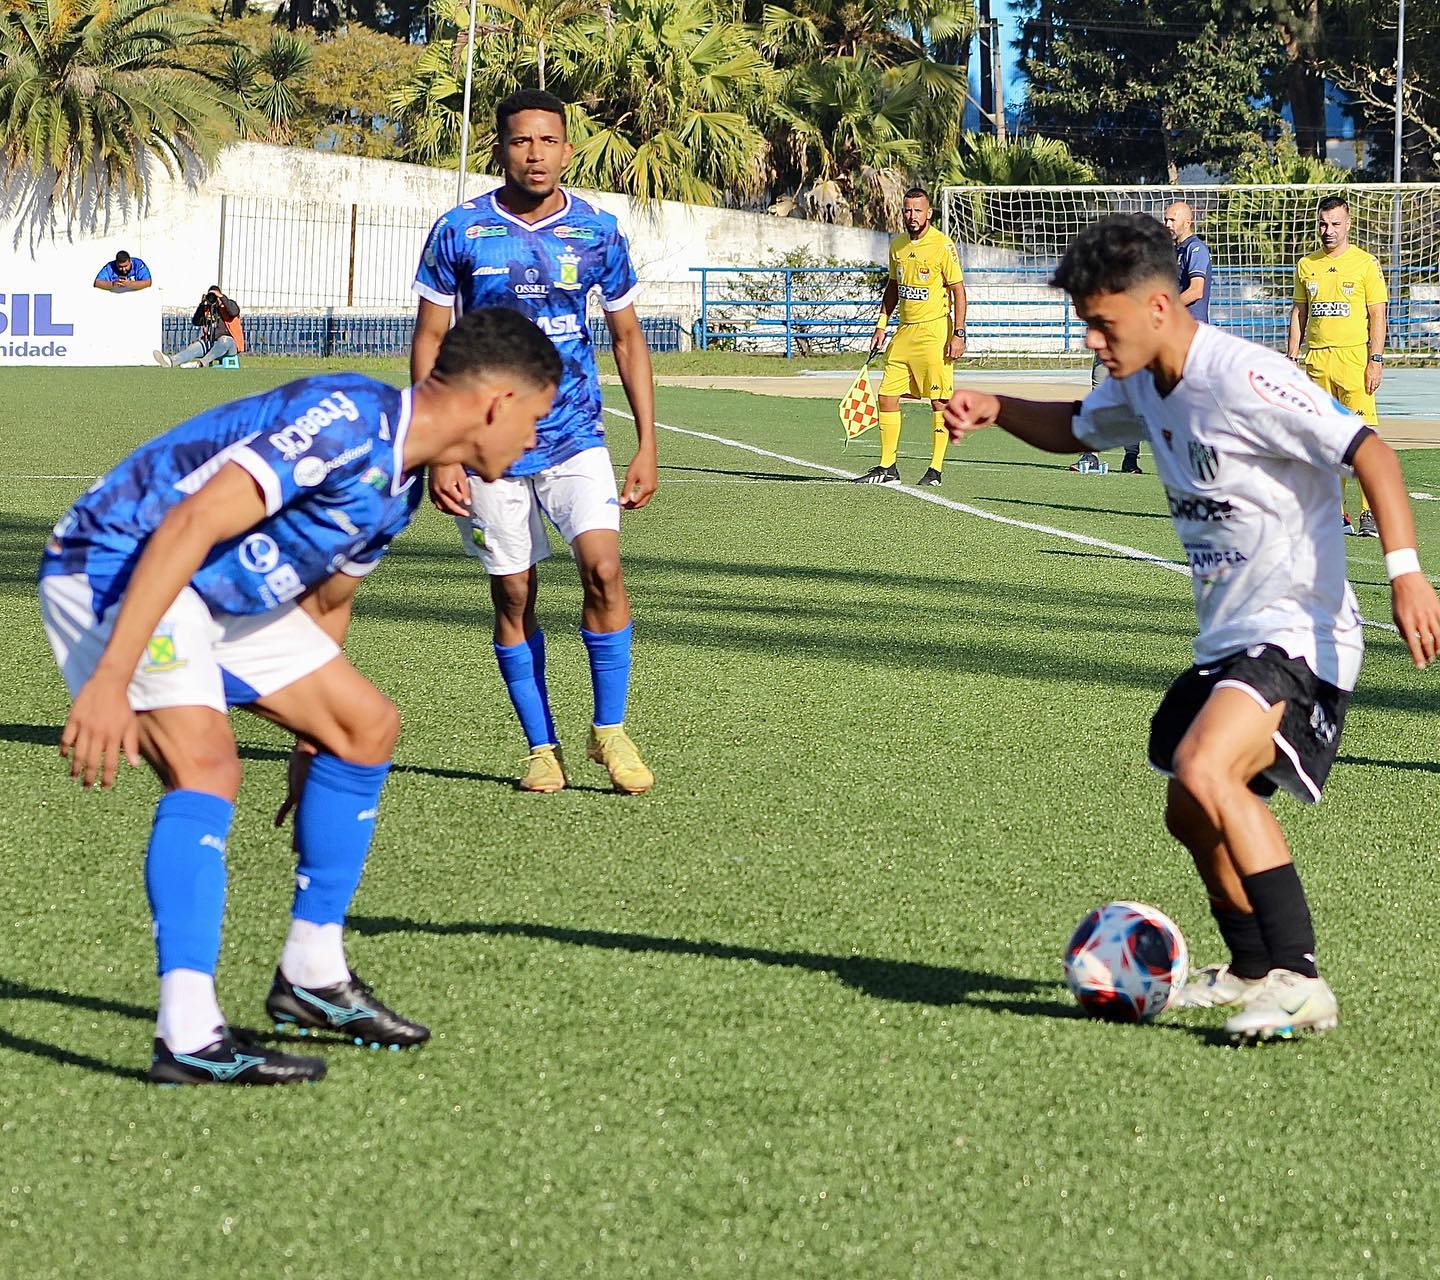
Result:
915,363
1340,371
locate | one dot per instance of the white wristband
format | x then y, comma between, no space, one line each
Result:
1403,561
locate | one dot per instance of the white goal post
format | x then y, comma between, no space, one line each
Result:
1010,239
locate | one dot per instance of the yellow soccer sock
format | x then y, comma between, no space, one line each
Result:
941,439
889,438
1344,489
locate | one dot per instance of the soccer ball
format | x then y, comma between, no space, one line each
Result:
1126,962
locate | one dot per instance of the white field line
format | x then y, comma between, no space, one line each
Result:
1084,539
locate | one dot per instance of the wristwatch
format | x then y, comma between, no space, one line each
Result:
960,333
1379,359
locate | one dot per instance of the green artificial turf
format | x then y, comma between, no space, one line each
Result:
796,1013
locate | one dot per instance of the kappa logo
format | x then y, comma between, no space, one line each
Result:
1204,461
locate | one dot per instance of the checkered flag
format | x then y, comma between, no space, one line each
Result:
859,409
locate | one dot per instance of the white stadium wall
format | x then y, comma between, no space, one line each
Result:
283,228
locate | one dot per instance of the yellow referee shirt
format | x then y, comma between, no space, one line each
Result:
1339,292
922,270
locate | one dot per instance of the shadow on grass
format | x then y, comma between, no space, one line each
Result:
48,735
752,475
21,991
1067,506
1410,766
906,981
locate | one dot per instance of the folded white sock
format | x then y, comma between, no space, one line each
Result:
314,955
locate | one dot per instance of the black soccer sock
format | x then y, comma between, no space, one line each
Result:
1249,957
1283,917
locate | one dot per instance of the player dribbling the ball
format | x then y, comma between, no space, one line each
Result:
1250,453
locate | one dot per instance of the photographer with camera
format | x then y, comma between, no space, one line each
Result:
221,333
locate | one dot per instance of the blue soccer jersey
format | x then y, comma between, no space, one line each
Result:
327,454
138,272
485,256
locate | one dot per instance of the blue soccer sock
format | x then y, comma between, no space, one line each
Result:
334,825
609,672
522,666
185,879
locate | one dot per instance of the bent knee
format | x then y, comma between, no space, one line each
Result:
602,578
213,769
369,735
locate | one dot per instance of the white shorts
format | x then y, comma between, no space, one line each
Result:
506,525
195,658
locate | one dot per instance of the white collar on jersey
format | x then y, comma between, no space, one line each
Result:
530,226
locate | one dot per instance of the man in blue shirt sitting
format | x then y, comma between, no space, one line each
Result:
123,275
215,567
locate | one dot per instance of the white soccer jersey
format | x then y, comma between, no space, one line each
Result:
1250,452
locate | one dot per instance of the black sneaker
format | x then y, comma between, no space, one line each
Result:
880,475
930,480
1367,528
1131,469
235,1058
348,1008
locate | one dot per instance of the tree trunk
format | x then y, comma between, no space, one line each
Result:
1302,37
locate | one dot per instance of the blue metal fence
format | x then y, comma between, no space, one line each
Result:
343,334
803,310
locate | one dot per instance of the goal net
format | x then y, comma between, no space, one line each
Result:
1010,239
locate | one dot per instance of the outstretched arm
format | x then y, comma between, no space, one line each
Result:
1412,601
1046,424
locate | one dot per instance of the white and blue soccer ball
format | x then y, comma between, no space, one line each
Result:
1126,962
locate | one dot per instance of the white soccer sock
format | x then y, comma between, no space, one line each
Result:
190,1016
314,955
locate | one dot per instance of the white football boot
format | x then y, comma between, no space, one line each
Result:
1214,986
1288,1002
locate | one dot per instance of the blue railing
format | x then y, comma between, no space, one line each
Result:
331,334
740,305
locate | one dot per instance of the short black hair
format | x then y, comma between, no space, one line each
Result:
526,100
499,340
1114,255
121,257
1333,202
918,193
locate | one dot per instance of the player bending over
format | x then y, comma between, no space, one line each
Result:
927,284
1250,453
533,246
216,565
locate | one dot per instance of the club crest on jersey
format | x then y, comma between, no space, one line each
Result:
1312,287
1204,461
569,269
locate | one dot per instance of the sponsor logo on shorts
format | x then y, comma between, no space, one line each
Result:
292,441
477,535
1282,395
1184,506
375,478
161,654
259,554
1322,726
1204,461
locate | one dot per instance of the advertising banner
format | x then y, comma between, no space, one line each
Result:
51,314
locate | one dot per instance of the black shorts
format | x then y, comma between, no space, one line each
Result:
1309,734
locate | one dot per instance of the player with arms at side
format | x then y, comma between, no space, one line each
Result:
927,284
1339,314
216,565
1250,453
533,246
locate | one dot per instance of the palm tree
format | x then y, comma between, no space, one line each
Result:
981,160
664,93
865,101
93,91
264,85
